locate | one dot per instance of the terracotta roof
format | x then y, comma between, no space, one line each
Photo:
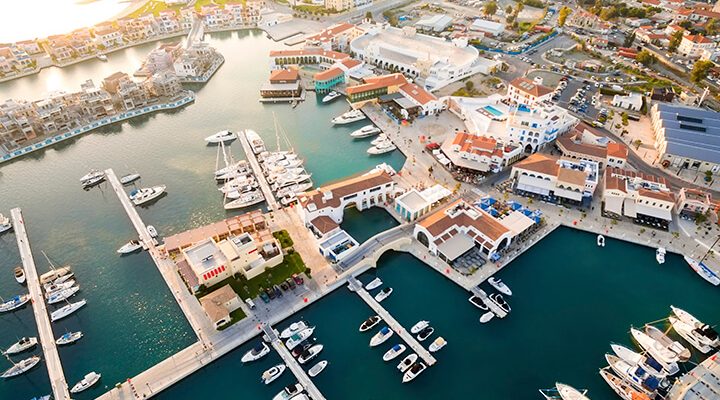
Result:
214,303
377,82
697,39
324,224
440,221
528,86
328,34
312,51
658,195
572,176
350,63
419,94
474,143
633,174
284,75
328,74
617,150
541,163
612,182
343,188
567,144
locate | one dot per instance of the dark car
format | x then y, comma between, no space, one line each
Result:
278,292
264,297
270,293
298,279
284,286
290,283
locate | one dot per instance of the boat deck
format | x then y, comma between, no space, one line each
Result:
47,337
491,304
255,165
355,286
292,363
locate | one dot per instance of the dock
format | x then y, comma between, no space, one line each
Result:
47,337
491,304
292,363
264,186
355,286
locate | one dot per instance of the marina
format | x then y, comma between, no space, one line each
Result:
252,159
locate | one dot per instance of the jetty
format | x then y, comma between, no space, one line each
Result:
292,363
494,307
355,286
47,337
255,165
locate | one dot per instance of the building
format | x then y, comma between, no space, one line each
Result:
336,37
479,153
694,202
283,83
403,99
693,46
219,304
433,62
702,382
339,5
583,143
556,180
324,81
686,137
632,101
526,92
107,36
307,56
488,27
373,88
644,198
127,94
413,204
434,23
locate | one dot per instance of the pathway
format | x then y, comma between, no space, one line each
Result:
252,159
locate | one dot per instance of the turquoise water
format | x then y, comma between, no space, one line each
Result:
131,321
494,111
565,314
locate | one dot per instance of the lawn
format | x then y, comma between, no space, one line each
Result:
235,316
284,238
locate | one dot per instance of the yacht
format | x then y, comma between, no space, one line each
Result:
375,283
5,224
55,274
370,323
61,295
500,286
245,200
62,279
601,240
267,157
238,182
702,270
407,362
19,275
14,303
55,287
380,337
317,368
294,328
425,333
129,178
256,353
381,138
383,294
238,166
688,332
660,255
704,332
478,302
294,189
86,383
331,96
92,178
645,361
621,387
130,247
295,339
415,370
289,392
280,165
437,344
290,178
256,143
420,325
638,377
382,148
24,344
70,308
239,192
69,338
394,352
660,337
500,301
102,57
485,318
21,367
144,195
222,136
240,175
661,353
304,345
365,131
349,117
562,391
310,353
273,373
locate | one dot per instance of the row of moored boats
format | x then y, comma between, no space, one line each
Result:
380,145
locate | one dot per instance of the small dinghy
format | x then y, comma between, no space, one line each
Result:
383,294
129,178
425,333
69,338
407,362
437,344
222,136
500,286
129,247
394,352
24,344
384,334
419,326
19,275
256,353
86,383
370,323
601,241
273,373
485,318
375,283
317,368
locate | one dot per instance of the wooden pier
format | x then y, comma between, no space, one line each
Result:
47,337
292,363
264,186
355,286
494,307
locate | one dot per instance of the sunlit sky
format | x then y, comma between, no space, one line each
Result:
30,19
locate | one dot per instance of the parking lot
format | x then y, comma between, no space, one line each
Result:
578,97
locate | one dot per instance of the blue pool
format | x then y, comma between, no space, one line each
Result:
494,111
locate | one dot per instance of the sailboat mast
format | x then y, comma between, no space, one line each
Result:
52,267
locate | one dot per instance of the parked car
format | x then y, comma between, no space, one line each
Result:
290,283
298,279
270,293
265,298
284,286
277,290
251,303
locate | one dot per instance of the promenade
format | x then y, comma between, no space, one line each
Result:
47,337
252,159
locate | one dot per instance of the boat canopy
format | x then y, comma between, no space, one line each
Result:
653,363
134,192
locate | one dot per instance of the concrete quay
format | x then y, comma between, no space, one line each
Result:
47,337
252,159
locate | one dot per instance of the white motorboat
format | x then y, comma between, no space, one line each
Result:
413,372
478,302
299,337
660,255
437,344
5,224
365,131
637,376
702,270
688,332
661,353
152,231
317,368
256,353
14,303
310,353
239,192
55,287
62,279
60,295
256,143
222,136
273,373
645,361
245,200
238,183
19,275
331,96
92,178
294,328
500,286
275,156
373,284
621,387
240,174
381,138
425,333
704,332
144,195
238,166
289,392
102,57
21,367
370,323
349,117
282,165
130,247
420,325
407,362
70,308
485,318
129,178
69,338
384,334
394,352
288,200
288,179
500,301
294,189
562,391
383,294
660,337
382,148
24,344
86,383
601,240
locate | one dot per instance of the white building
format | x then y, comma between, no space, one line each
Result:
632,101
479,153
434,23
336,37
556,180
644,198
413,204
107,37
489,27
694,46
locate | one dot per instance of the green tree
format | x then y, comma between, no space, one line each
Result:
368,15
712,27
675,40
700,71
625,121
637,143
687,24
490,8
520,6
563,14
629,40
509,10
645,58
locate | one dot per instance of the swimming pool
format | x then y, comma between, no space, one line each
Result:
494,111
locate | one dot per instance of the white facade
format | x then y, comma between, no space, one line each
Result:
694,46
632,101
482,25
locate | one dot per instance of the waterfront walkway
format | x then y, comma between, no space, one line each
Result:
252,159
47,337
355,286
292,363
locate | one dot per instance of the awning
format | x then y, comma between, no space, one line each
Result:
456,246
533,189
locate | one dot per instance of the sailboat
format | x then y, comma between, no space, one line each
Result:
20,367
64,311
14,303
55,275
5,224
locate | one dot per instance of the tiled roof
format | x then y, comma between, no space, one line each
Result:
377,82
328,34
613,182
312,51
568,144
572,176
541,163
419,94
328,74
528,86
440,221
290,74
214,303
655,194
633,174
324,224
343,188
697,39
617,150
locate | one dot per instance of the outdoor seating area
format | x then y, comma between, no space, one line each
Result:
499,209
469,262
